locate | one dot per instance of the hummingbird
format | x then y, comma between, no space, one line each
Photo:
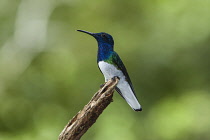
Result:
112,66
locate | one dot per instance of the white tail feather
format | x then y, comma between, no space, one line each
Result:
128,95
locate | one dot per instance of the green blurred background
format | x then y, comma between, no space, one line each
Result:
48,71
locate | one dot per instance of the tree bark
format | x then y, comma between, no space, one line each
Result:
85,118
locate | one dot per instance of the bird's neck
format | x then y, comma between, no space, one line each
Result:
104,51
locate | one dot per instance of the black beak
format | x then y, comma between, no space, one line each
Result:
92,34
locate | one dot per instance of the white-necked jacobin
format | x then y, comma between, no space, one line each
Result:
111,66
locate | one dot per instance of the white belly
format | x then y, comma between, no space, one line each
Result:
109,71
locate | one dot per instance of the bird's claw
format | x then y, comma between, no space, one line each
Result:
113,78
102,85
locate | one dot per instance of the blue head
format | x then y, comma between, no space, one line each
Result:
105,44
103,39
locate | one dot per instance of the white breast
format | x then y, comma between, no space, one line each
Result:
109,71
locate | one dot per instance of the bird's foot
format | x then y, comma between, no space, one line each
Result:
113,78
102,85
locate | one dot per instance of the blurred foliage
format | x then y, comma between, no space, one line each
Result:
48,71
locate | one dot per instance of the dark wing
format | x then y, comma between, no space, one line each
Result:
119,64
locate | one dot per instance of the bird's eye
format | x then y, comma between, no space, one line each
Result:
103,35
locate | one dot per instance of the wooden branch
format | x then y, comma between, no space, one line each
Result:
85,118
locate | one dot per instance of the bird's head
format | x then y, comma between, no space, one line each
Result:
101,37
